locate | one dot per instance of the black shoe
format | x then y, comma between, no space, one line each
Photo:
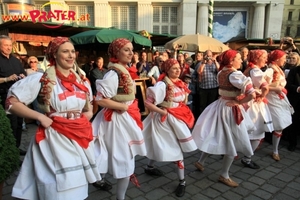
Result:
102,185
180,190
291,147
22,152
251,165
153,172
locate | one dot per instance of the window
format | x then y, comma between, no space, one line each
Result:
165,20
291,2
290,16
46,8
1,12
124,17
82,12
298,31
288,31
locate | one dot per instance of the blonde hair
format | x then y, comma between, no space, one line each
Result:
297,57
32,58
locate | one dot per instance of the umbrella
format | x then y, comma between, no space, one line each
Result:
107,35
196,42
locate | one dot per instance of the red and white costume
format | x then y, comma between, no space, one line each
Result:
221,129
258,112
169,136
56,166
118,137
279,105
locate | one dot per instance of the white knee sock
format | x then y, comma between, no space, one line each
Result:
227,161
150,163
122,185
202,158
180,172
254,144
275,140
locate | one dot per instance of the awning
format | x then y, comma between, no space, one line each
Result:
33,39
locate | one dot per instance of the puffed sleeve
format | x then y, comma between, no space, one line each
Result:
257,77
26,90
239,80
108,86
269,75
156,94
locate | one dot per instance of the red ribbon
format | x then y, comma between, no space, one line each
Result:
134,180
281,96
278,135
179,164
181,112
237,114
69,81
79,130
133,72
133,111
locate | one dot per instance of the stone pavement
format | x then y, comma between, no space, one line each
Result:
274,180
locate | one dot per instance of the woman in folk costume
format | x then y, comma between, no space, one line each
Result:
258,109
223,126
279,105
118,126
60,160
167,134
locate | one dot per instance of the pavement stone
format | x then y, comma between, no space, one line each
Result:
274,180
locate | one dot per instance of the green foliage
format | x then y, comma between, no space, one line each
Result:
9,153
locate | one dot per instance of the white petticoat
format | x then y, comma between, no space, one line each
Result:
281,110
261,117
162,138
216,131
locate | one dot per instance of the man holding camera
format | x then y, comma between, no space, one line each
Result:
287,44
208,85
11,70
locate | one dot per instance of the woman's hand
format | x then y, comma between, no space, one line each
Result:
88,114
164,112
278,89
258,99
153,81
125,108
45,121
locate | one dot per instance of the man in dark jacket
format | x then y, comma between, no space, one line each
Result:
293,88
11,70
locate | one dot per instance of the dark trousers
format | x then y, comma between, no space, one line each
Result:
292,131
15,123
196,105
16,126
207,96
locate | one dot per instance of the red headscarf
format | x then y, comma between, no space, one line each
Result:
115,47
166,66
275,55
53,47
254,55
226,57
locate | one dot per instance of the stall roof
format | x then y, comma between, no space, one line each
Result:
29,31
254,43
38,32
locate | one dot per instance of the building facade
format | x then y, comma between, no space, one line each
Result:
233,19
291,19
